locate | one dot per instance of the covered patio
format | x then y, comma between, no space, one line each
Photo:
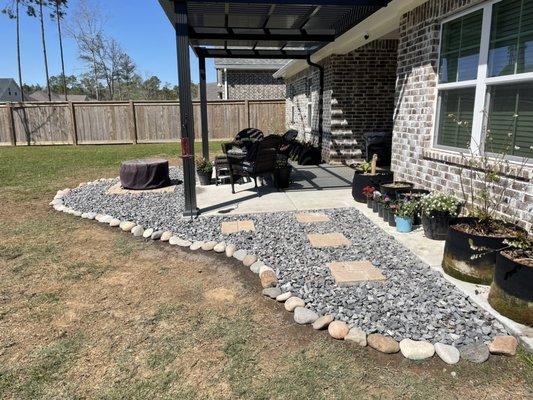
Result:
283,29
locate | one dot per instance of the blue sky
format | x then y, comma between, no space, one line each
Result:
140,26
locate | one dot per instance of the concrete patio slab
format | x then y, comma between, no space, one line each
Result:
334,239
348,273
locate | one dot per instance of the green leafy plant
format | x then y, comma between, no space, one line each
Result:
406,209
204,166
364,167
439,203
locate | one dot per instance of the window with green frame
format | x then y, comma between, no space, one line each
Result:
496,94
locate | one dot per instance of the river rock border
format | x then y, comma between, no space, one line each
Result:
411,349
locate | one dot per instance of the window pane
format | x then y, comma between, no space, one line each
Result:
459,54
511,39
510,120
455,117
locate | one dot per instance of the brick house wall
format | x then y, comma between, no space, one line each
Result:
358,98
254,85
413,159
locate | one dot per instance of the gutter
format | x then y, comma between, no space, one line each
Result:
377,25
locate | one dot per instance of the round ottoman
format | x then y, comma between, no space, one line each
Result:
149,173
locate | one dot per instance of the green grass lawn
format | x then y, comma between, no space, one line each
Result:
89,312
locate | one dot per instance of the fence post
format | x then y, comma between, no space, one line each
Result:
247,109
11,125
133,123
74,131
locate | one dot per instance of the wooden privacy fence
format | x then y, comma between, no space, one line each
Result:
130,122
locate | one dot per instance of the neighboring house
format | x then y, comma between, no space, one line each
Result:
433,73
9,90
214,92
249,79
42,95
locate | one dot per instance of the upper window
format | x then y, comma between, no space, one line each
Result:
485,85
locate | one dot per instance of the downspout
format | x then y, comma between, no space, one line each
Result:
320,100
226,92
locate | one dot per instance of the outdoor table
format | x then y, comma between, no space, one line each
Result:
151,173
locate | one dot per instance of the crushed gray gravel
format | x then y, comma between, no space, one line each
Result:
414,302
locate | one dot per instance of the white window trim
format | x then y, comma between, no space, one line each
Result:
480,84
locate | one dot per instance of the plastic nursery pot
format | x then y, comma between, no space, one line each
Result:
511,292
391,221
360,181
380,209
369,202
386,212
403,225
436,225
471,263
204,178
375,205
392,189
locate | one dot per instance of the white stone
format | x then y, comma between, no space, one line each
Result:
127,226
208,246
137,230
173,241
239,254
284,297
293,302
114,222
416,349
304,316
220,247
357,336
272,292
256,266
230,249
264,268
165,237
147,233
448,354
196,245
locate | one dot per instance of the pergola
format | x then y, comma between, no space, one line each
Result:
281,29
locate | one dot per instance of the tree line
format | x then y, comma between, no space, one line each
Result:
109,73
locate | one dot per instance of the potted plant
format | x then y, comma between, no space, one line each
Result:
392,189
386,208
376,200
368,191
282,172
204,168
511,292
437,211
471,243
404,213
392,214
367,174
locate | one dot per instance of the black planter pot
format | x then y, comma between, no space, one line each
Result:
387,189
369,202
386,212
463,262
360,181
282,177
380,210
310,156
392,220
511,292
436,225
204,178
375,205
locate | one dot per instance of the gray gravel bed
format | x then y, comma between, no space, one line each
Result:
414,302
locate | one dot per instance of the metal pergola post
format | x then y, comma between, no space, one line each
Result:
186,109
203,108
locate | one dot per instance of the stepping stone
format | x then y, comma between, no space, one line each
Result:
229,227
240,254
338,329
347,273
383,343
196,245
335,239
357,336
220,247
294,302
148,233
475,352
208,246
416,349
304,316
448,354
166,236
306,218
323,322
284,297
504,345
137,231
272,292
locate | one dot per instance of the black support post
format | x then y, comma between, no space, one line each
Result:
186,110
203,109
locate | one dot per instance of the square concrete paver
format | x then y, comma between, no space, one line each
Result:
334,239
237,226
305,218
348,273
